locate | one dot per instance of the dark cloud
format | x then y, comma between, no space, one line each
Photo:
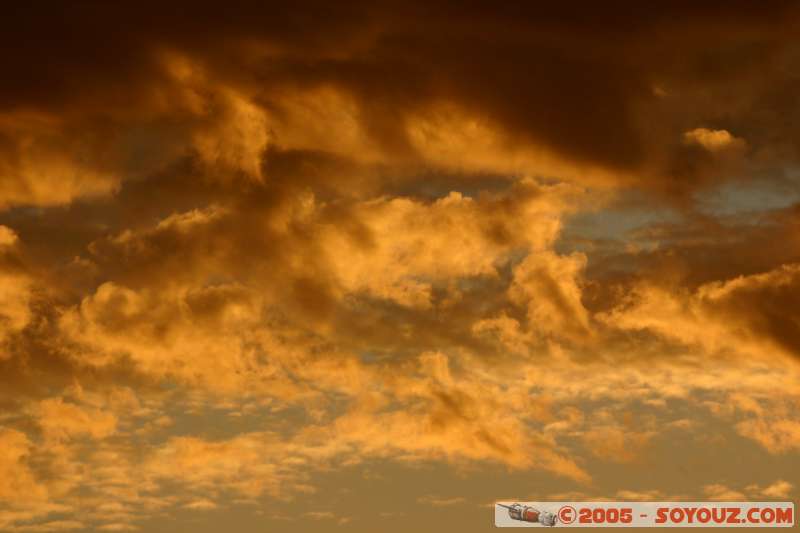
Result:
612,86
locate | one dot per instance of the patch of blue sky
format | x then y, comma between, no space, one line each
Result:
614,222
737,198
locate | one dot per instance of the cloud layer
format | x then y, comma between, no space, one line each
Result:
243,250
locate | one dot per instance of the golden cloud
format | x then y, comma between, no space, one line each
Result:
238,252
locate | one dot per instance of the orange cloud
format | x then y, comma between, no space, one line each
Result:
18,481
313,241
747,315
713,140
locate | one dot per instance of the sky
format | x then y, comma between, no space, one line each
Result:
373,266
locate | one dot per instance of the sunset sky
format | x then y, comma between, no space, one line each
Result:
370,267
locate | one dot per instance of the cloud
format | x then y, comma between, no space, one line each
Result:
389,91
549,286
202,505
60,420
41,158
410,247
440,502
778,489
616,444
240,251
15,289
713,140
117,527
155,310
747,315
54,525
7,237
775,434
647,495
18,480
719,492
246,464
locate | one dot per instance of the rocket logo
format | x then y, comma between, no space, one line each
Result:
525,513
